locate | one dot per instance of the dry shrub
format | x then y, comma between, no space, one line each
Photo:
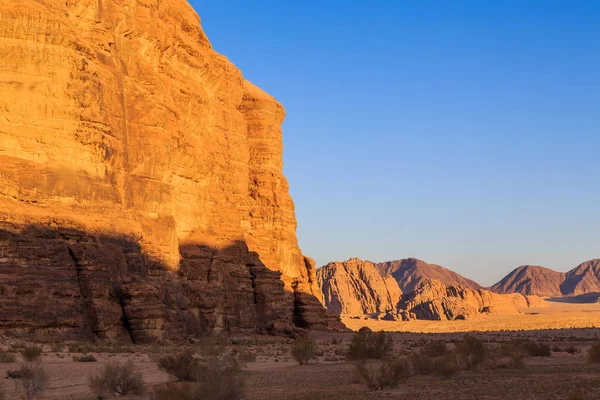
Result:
471,352
593,354
446,366
117,380
383,374
32,382
512,354
435,349
31,353
304,349
213,346
572,350
538,349
421,364
6,357
85,359
182,366
368,344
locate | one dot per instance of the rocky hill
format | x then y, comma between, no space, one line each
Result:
361,288
433,300
531,280
409,274
354,287
141,193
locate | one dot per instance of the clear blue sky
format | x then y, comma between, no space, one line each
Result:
463,133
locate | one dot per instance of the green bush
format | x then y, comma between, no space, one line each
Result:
304,350
367,344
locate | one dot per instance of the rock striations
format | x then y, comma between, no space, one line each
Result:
358,288
354,287
141,188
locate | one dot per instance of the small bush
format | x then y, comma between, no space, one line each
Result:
420,363
572,350
435,349
538,349
304,349
32,382
86,358
117,379
6,357
513,353
245,356
446,366
183,365
593,354
368,344
383,374
57,348
471,352
31,353
213,346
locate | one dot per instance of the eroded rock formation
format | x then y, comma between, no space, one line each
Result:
141,185
354,287
433,300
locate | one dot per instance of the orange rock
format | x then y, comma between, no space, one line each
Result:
140,177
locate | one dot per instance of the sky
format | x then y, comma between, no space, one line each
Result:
463,133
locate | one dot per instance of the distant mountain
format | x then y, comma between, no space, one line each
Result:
410,272
583,279
540,281
531,280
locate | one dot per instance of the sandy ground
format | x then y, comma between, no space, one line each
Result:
555,315
275,375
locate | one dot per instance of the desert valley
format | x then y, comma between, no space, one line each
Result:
148,245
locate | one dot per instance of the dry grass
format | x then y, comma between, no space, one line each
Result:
117,380
183,365
383,374
33,381
366,344
471,352
31,353
304,350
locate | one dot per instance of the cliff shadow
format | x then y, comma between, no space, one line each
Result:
67,284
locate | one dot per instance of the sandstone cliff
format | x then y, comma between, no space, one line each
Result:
531,280
409,274
354,287
141,186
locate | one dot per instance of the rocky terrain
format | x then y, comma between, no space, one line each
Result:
361,288
354,287
141,193
530,280
409,274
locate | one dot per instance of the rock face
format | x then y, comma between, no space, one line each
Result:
409,274
433,300
531,280
583,279
354,287
141,187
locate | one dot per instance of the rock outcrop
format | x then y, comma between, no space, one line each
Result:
433,300
409,274
531,280
354,287
141,188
